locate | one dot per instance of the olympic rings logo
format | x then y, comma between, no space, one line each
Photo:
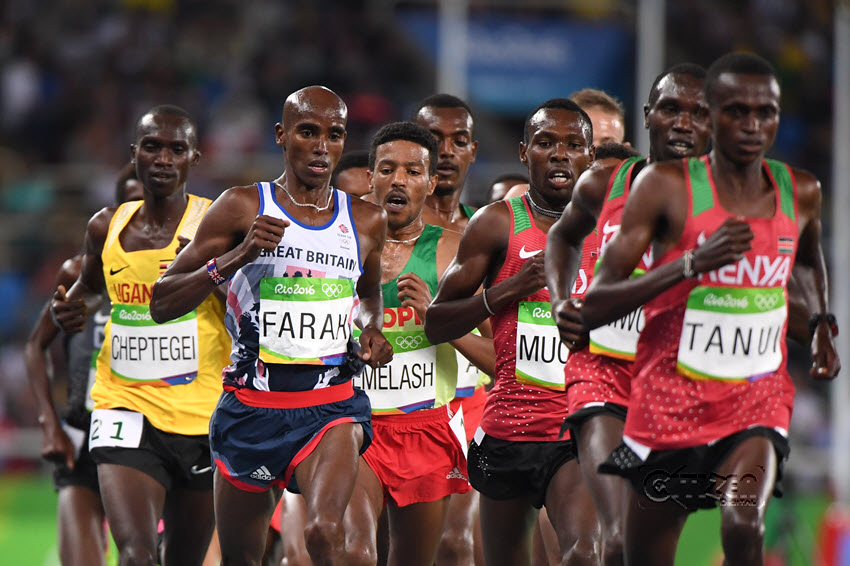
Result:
408,342
332,290
766,302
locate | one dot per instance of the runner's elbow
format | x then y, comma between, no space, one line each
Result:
434,330
159,311
591,316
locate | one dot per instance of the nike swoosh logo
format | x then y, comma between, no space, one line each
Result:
100,317
114,271
197,471
525,255
608,228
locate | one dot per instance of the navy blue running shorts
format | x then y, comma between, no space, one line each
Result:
256,448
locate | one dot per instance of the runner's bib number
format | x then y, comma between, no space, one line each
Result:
732,333
114,428
408,382
468,375
150,353
619,339
540,354
305,320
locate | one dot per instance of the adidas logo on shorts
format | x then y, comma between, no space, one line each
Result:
262,473
455,474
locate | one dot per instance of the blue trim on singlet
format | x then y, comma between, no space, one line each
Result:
307,226
262,198
356,233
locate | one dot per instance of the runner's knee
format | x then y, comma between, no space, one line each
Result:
585,551
361,555
323,536
613,549
135,553
742,532
456,545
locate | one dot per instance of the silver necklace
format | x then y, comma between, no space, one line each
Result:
307,204
410,241
544,211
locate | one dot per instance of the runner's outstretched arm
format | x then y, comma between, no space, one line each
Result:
55,444
812,278
654,201
233,234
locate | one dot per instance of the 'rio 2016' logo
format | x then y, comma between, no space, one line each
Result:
281,289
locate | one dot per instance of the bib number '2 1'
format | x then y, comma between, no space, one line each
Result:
115,428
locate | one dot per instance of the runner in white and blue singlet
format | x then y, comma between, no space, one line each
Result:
302,262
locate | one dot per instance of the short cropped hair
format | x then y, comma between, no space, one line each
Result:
687,69
442,101
406,131
594,98
563,104
736,63
615,150
170,110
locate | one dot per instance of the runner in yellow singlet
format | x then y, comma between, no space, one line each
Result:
156,385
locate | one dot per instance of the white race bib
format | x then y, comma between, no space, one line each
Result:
91,380
111,427
305,320
619,339
408,382
468,375
731,333
540,354
159,354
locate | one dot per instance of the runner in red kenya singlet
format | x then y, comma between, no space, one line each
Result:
516,460
598,376
711,399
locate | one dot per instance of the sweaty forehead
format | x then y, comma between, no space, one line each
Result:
316,106
678,86
402,151
550,118
738,85
448,119
165,125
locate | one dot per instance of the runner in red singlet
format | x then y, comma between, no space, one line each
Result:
598,376
711,401
516,460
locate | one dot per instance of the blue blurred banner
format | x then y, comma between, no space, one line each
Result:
516,62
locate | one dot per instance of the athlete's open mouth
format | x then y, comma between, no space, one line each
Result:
560,177
396,200
318,166
680,145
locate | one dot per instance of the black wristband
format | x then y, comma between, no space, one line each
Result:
816,319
